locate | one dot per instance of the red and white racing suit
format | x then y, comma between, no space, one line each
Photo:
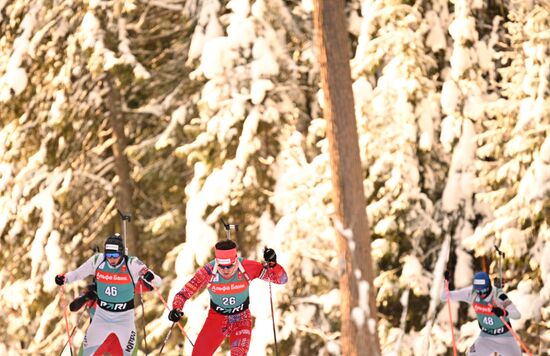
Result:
235,322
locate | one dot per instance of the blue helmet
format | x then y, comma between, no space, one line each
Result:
482,283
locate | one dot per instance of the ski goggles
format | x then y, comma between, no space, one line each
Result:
112,254
482,291
226,266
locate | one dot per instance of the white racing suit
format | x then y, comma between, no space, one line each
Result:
115,305
494,335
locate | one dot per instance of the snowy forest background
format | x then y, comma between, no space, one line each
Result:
182,112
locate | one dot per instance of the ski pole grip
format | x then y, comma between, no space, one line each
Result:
228,227
225,226
124,217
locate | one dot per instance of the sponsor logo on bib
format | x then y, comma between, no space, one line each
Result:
112,278
483,309
113,306
229,288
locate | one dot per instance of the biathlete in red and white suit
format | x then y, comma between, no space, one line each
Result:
228,279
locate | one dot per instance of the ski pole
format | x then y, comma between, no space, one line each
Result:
143,318
125,218
273,319
166,338
501,257
516,336
227,228
450,315
62,299
168,308
72,332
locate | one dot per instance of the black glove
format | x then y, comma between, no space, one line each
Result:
447,275
147,287
81,300
76,304
90,295
149,276
175,315
60,279
270,256
499,312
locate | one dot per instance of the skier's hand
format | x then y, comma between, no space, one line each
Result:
447,275
148,276
76,304
499,312
60,279
270,256
144,286
175,315
90,295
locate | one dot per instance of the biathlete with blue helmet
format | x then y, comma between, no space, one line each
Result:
490,304
116,276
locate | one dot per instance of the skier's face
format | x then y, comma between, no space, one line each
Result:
113,258
227,271
484,293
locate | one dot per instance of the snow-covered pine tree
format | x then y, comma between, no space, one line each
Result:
397,105
250,101
513,168
464,90
58,181
58,184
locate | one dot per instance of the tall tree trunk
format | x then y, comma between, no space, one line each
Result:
125,189
358,306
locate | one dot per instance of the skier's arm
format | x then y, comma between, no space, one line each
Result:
140,272
196,284
505,303
460,295
275,274
85,270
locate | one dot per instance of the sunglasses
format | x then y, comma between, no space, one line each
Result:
112,255
227,267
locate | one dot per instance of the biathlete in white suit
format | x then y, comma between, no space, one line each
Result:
489,304
116,276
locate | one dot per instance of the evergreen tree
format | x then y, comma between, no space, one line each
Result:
397,96
220,106
513,166
59,66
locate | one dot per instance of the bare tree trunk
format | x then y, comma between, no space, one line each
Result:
358,303
122,166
